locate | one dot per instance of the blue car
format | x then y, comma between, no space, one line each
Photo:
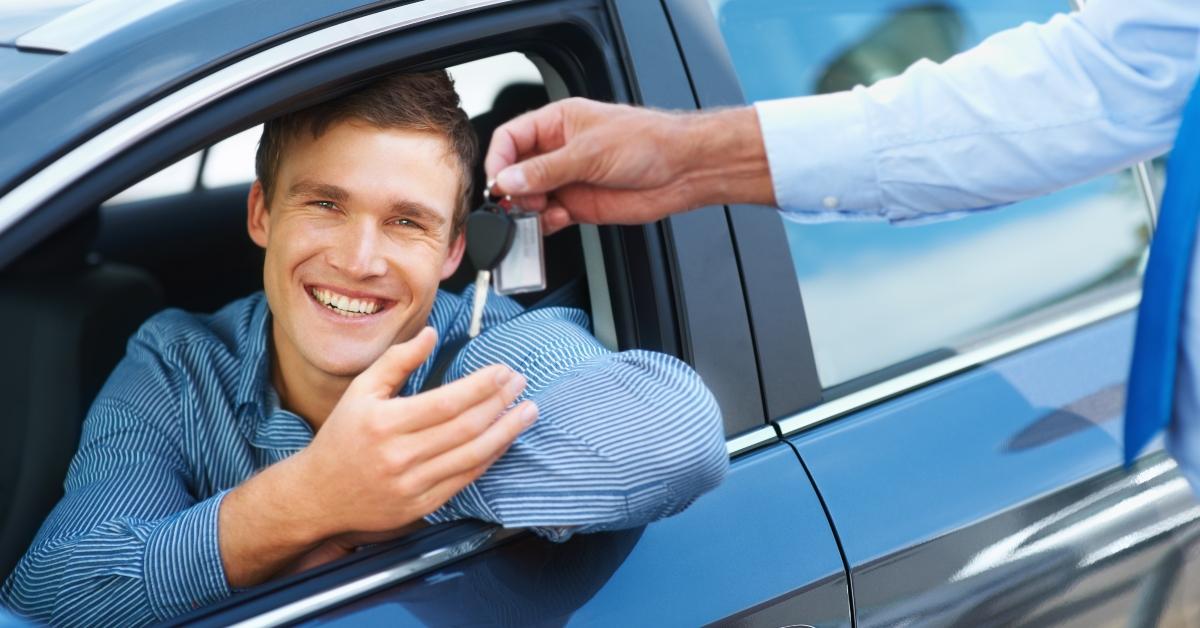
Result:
923,423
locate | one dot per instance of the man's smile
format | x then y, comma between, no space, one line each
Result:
352,305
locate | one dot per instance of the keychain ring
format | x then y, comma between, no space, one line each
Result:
488,196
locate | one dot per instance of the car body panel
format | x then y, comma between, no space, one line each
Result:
19,18
1003,493
756,550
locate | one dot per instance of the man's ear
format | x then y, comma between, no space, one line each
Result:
258,220
455,257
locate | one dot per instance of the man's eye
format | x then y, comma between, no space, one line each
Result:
405,222
325,205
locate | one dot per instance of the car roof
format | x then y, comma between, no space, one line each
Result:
105,74
18,18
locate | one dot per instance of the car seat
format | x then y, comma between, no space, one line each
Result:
64,324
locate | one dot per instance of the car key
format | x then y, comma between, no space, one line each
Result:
490,234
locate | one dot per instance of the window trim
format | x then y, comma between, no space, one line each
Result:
786,364
988,351
715,332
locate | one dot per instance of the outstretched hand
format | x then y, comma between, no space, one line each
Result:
582,161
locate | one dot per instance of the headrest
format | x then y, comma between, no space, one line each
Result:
65,251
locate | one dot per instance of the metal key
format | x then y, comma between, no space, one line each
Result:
489,236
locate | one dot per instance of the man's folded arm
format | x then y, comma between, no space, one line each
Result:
128,544
622,439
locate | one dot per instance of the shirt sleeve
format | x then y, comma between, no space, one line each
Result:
622,439
1028,111
128,544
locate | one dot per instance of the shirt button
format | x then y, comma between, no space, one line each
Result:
830,202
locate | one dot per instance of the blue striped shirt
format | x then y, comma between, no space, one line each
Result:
189,413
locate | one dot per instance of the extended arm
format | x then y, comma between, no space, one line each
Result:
1028,111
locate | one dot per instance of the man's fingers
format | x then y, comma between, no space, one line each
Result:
487,446
441,492
544,173
469,424
532,132
444,403
390,370
555,219
533,202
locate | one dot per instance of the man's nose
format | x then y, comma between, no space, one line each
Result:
359,252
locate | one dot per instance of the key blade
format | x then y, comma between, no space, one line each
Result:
481,291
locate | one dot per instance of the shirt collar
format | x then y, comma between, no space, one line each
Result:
255,360
264,423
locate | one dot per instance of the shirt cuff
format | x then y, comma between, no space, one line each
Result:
183,568
821,158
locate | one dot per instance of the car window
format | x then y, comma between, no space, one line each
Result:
877,295
176,178
231,161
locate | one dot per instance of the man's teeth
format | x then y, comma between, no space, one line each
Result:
343,304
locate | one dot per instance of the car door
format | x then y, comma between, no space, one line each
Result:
971,373
758,550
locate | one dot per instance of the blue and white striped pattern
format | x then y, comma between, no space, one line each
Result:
622,439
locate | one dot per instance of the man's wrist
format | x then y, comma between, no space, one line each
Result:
727,161
267,522
296,496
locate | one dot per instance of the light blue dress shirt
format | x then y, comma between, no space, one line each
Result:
1028,111
622,439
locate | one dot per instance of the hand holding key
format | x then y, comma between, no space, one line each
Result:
582,161
502,237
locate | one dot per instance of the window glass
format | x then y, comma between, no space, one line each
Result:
875,294
176,178
231,161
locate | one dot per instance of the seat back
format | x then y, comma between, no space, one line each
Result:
64,322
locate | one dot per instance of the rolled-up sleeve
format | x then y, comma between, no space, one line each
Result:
128,544
622,439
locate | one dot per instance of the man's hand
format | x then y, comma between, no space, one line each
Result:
378,463
381,462
578,160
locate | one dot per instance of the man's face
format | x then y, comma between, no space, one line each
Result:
357,238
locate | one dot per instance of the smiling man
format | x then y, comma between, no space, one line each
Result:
289,427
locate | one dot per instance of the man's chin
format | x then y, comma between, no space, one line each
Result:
348,366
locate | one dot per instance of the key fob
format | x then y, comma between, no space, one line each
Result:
490,233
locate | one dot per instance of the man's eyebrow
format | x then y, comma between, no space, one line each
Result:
413,209
323,190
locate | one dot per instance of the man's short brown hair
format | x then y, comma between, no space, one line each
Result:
418,101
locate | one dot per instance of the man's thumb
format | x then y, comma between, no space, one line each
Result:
390,370
542,174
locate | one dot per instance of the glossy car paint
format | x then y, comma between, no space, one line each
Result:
756,551
997,497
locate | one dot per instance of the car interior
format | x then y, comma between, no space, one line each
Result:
73,301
